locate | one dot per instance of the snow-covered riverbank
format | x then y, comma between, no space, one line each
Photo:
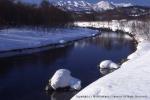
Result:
132,80
26,38
139,29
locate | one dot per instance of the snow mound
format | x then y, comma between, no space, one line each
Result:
103,5
62,78
62,41
108,64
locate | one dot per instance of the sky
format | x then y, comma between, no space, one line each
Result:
134,2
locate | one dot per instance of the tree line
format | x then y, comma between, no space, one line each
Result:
13,12
18,13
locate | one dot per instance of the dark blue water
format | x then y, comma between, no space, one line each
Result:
25,77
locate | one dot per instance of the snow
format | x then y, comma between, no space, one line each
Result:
81,5
24,38
103,5
74,5
133,27
62,78
108,64
77,5
131,81
128,82
75,83
122,4
62,41
142,49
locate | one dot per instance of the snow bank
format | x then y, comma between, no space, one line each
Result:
108,64
130,82
139,29
62,78
142,49
23,38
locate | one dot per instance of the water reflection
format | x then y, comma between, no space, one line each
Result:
41,59
107,40
59,95
25,77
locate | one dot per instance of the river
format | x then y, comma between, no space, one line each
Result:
24,77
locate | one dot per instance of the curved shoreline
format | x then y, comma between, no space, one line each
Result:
131,81
30,44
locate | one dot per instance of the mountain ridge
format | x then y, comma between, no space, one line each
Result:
82,5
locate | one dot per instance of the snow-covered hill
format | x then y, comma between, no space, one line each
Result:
103,5
82,5
77,5
74,5
122,4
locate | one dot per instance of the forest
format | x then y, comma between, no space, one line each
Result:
14,13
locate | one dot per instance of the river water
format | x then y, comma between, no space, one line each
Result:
24,77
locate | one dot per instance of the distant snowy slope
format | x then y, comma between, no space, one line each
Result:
77,5
103,5
122,4
82,5
74,5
